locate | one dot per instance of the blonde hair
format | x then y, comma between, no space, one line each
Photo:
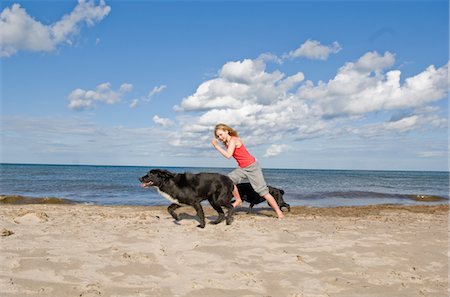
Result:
225,127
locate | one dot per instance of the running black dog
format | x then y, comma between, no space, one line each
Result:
191,189
248,194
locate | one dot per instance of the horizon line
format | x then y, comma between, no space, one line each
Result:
214,167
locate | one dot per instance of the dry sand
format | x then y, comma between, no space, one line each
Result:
82,250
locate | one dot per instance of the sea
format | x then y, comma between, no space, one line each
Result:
119,185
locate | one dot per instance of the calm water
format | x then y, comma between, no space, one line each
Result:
119,185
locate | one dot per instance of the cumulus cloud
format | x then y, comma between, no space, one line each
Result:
239,82
313,49
365,86
165,122
20,31
80,99
271,106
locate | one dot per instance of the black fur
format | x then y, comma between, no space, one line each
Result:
192,189
248,194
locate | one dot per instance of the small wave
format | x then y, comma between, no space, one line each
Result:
17,199
427,198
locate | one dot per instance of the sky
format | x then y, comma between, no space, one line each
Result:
307,84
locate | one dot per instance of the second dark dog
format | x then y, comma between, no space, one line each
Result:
249,195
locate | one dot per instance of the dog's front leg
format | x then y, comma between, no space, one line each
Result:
171,210
198,207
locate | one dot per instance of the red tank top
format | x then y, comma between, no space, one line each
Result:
243,157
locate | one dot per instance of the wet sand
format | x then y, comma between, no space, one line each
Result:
86,250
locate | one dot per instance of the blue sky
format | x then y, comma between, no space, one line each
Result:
307,84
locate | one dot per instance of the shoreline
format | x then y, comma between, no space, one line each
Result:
428,200
92,250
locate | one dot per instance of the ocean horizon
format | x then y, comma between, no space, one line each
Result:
119,184
218,167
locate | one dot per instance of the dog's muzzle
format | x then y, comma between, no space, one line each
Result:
145,184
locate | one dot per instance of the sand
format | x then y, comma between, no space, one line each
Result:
85,250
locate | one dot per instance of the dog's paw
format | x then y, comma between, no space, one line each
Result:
219,219
175,217
201,226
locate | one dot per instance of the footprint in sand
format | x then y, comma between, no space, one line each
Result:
31,218
5,232
92,290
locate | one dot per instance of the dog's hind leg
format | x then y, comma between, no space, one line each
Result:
230,213
250,208
171,210
219,210
201,215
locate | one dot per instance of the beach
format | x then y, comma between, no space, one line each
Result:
91,250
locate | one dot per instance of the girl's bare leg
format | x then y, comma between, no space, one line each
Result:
274,205
237,196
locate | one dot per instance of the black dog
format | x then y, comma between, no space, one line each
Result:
248,194
192,189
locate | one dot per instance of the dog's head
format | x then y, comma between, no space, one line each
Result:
278,195
155,178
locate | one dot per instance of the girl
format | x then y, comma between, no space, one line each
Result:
248,166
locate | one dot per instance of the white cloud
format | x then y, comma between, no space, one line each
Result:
271,107
275,150
363,87
80,99
156,90
126,88
312,49
20,31
400,126
419,119
165,122
134,103
241,82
